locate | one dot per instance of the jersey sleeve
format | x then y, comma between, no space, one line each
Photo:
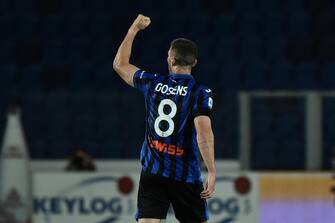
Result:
203,103
142,80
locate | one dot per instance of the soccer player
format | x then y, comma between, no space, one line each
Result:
178,126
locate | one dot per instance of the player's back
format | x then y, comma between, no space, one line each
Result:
172,102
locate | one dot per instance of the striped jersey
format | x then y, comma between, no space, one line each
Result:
172,102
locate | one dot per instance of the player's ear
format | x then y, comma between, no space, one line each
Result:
195,63
172,61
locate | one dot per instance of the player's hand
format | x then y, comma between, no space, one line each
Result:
209,187
140,23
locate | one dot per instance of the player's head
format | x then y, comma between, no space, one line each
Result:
182,54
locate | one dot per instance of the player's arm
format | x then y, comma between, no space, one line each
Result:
121,61
205,139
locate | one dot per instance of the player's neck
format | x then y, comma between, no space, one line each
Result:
178,70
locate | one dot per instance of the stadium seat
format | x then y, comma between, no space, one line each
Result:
280,77
293,5
54,52
26,26
272,25
245,5
291,155
251,49
249,23
272,5
256,75
57,102
7,52
76,25
225,24
264,155
7,24
305,76
328,77
299,25
230,76
276,49
60,149
82,102
8,76
81,76
227,49
31,77
52,27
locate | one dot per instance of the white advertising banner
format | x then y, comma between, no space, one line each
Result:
111,197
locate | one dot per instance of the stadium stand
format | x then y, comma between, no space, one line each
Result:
56,56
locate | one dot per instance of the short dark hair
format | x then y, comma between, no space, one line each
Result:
185,52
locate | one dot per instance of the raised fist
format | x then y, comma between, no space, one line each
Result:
141,22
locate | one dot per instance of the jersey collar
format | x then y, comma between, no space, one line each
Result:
174,75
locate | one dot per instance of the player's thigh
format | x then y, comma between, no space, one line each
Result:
149,220
152,202
187,204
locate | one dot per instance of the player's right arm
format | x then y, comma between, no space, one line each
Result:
205,139
121,63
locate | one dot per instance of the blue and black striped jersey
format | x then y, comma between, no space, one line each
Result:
172,102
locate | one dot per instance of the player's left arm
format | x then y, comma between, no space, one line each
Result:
121,63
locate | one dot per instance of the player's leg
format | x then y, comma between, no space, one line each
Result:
152,201
149,220
187,204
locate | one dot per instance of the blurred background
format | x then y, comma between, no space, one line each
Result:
270,63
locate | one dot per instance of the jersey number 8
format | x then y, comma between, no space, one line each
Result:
165,117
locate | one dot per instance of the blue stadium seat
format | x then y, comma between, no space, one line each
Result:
299,25
57,102
276,49
101,26
102,51
38,149
78,51
75,6
255,75
248,23
272,25
294,5
273,5
305,76
60,148
7,52
9,76
227,49
31,77
77,25
245,5
291,155
52,27
251,49
198,24
7,24
27,26
59,127
82,102
54,53
81,77
84,127
230,76
328,77
5,6
264,155
33,103
280,76
225,24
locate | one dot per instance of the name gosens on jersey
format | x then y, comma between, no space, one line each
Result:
172,102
